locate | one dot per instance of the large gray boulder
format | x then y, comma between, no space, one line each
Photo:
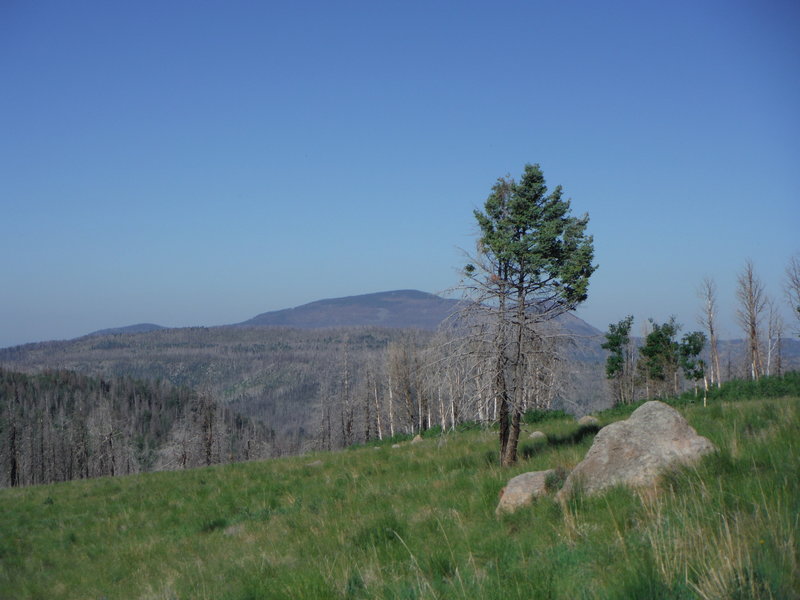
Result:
636,451
521,490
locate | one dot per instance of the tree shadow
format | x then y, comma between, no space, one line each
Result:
573,438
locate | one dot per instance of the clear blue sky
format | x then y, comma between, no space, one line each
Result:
197,163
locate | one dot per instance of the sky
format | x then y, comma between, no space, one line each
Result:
198,163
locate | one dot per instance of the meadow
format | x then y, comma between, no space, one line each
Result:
419,521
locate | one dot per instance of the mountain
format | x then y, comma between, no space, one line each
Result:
403,309
398,309
283,367
138,328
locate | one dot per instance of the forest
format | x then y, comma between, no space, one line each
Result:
60,425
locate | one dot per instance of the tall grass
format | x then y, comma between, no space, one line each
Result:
418,522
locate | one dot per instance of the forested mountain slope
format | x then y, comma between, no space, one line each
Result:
301,380
61,425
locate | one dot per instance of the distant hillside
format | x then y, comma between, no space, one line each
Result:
60,425
138,328
403,309
291,368
277,375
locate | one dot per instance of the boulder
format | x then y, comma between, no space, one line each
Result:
588,420
636,451
537,436
521,491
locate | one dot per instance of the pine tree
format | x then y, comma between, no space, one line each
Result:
533,263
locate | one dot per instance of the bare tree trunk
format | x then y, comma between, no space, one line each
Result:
708,294
347,408
111,452
792,288
752,302
391,408
377,409
774,334
13,454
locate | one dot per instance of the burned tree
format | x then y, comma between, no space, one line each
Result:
752,303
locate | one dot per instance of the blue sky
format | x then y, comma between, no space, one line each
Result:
197,163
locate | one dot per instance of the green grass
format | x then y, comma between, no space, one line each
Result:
419,522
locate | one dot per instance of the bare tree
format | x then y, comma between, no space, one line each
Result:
400,357
792,288
708,320
752,303
775,328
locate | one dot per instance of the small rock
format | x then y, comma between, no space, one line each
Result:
233,530
395,445
538,436
521,491
315,463
417,439
588,420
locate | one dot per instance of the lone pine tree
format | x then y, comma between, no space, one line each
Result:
533,263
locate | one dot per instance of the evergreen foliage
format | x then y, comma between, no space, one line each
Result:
660,352
691,346
534,243
534,263
619,363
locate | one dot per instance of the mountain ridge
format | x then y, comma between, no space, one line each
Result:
404,309
137,328
394,309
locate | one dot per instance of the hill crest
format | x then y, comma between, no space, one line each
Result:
401,309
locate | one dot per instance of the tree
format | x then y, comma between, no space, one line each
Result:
533,263
619,364
660,356
694,367
792,287
708,319
752,302
775,329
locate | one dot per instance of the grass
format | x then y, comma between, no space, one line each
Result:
418,522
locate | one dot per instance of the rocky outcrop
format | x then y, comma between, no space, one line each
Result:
636,451
522,489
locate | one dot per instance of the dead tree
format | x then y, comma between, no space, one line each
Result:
792,288
708,320
752,303
775,329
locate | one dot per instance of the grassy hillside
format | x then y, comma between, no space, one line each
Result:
418,522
